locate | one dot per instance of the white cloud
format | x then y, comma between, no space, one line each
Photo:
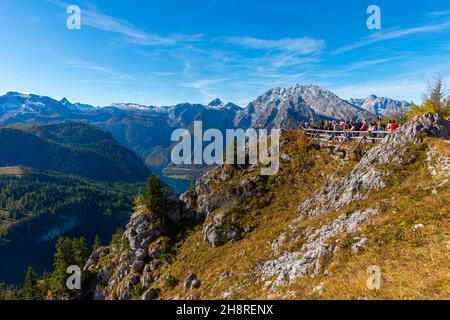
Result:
133,34
163,74
202,83
346,70
304,45
393,34
80,64
439,13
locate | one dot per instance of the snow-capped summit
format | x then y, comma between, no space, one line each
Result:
131,106
287,107
220,105
75,106
381,106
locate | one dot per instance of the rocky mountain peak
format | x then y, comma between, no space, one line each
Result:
216,103
383,107
289,106
65,101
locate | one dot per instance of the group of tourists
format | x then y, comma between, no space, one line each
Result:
350,125
351,128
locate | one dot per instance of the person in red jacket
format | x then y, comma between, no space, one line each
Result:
392,126
364,126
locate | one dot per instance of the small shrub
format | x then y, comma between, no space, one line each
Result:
170,282
167,250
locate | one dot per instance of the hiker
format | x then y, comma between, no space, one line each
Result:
364,126
392,126
372,130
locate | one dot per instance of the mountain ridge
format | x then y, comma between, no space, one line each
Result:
71,148
147,129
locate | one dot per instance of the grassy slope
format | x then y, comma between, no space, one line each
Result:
414,263
11,171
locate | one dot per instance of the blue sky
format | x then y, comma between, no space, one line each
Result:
167,52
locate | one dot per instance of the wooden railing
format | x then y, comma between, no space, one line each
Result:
343,137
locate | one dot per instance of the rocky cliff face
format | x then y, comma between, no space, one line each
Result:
368,175
250,238
126,268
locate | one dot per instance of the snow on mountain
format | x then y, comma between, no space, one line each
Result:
75,106
275,108
132,106
380,106
219,105
280,107
147,129
325,103
18,105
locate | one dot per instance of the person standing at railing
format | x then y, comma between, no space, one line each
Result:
372,130
364,126
358,125
322,125
392,126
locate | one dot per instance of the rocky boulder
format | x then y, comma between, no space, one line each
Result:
220,230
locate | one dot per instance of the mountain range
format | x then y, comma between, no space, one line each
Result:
382,107
70,148
147,129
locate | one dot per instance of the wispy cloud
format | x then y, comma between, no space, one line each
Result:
202,83
80,64
163,74
394,34
98,20
348,69
439,13
208,88
304,45
102,74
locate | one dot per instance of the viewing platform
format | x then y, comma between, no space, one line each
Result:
344,141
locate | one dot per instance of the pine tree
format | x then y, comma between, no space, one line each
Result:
192,194
30,290
10,295
192,187
97,243
63,258
43,285
2,291
80,251
116,239
154,195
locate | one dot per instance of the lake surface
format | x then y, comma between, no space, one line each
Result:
178,185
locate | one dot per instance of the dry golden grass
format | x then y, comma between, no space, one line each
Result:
414,263
11,171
